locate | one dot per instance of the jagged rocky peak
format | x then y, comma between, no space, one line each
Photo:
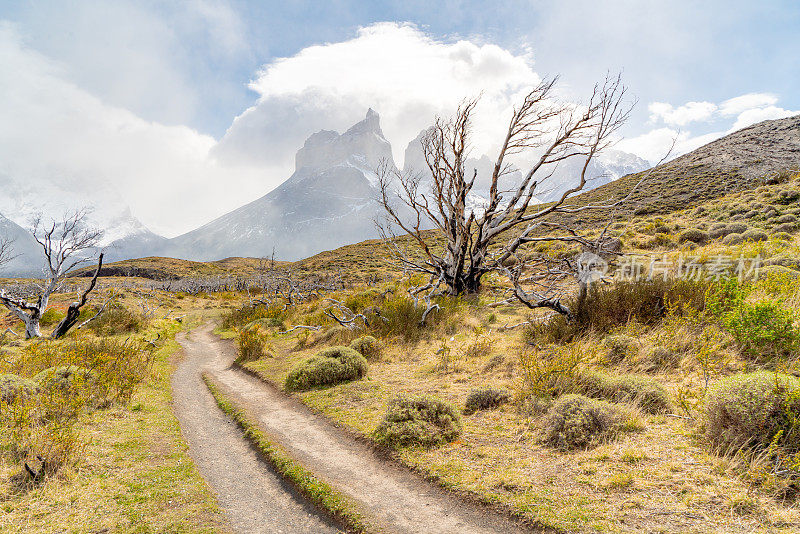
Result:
363,145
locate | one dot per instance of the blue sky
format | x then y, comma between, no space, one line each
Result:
243,83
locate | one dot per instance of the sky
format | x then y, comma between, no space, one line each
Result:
207,101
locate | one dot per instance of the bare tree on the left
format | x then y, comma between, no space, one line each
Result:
66,244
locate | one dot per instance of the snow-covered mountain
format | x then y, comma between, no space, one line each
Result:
329,201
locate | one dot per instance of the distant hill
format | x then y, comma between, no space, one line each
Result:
741,160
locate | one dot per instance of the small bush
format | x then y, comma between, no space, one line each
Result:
422,421
330,366
785,228
367,346
787,196
13,387
755,236
620,347
644,392
66,378
606,308
658,359
577,422
253,344
485,399
754,410
693,235
733,239
763,330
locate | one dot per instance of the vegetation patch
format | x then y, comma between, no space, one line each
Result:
754,410
421,421
485,399
13,387
330,366
252,343
367,346
578,422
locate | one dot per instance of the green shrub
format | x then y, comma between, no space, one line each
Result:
754,410
116,320
693,235
644,392
13,387
252,344
485,399
577,422
422,421
367,346
330,366
763,330
50,317
106,369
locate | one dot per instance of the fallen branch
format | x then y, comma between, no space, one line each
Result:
299,327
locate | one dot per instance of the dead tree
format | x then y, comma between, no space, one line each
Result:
74,310
65,245
473,241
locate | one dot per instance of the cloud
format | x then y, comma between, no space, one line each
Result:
752,116
740,104
747,109
407,76
56,137
655,144
689,112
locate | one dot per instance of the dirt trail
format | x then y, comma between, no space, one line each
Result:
394,498
254,499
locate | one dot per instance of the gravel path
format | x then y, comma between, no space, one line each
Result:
393,498
254,499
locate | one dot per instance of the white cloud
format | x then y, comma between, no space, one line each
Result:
56,136
655,144
752,116
396,69
748,109
740,104
682,115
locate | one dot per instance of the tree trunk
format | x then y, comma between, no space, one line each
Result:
32,329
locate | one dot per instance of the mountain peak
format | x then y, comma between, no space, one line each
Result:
362,144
